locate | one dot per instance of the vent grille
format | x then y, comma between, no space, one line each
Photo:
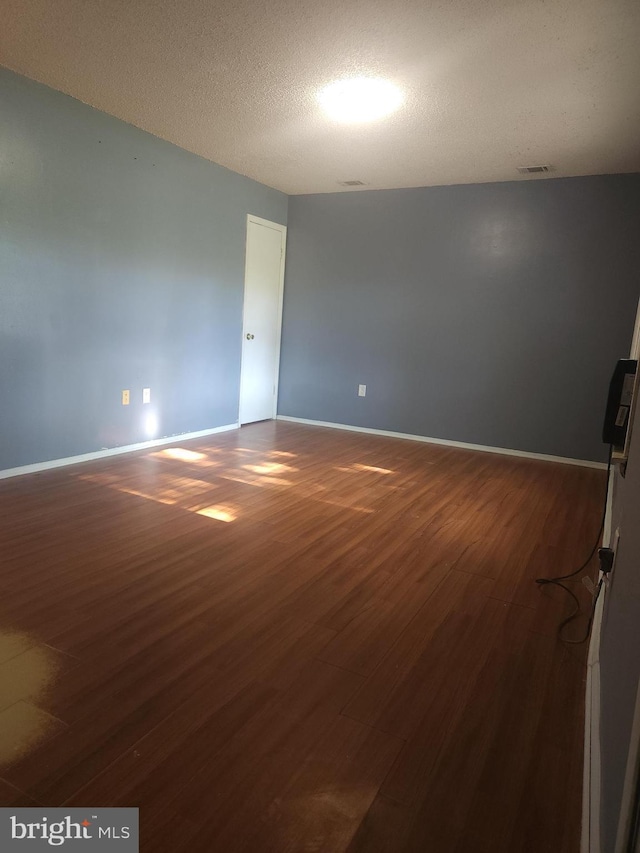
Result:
352,183
533,170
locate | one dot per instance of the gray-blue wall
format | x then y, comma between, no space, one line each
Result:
489,314
121,266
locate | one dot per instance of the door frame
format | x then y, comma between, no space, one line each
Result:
631,785
275,226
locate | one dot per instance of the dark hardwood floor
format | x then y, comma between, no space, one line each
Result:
288,638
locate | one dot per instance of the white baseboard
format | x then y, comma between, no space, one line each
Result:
591,777
565,460
112,451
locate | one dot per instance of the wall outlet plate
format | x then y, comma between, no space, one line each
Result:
146,395
125,398
362,390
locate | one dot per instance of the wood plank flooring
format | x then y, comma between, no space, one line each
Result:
289,638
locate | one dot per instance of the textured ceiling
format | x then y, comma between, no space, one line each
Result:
489,85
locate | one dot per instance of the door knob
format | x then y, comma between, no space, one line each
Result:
250,337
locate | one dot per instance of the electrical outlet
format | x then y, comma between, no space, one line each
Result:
362,390
146,395
125,398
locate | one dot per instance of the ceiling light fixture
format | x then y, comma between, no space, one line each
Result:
360,99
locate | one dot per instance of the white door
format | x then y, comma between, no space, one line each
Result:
263,288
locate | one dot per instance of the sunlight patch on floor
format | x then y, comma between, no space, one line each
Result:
165,488
269,468
28,670
219,513
180,453
359,468
375,470
257,480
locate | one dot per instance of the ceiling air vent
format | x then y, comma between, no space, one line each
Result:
533,170
352,183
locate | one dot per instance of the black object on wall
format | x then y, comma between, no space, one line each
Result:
616,419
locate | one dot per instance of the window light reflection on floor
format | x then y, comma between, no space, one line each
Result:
269,468
29,670
250,479
359,467
219,513
181,453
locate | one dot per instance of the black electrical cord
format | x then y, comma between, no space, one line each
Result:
556,581
575,613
